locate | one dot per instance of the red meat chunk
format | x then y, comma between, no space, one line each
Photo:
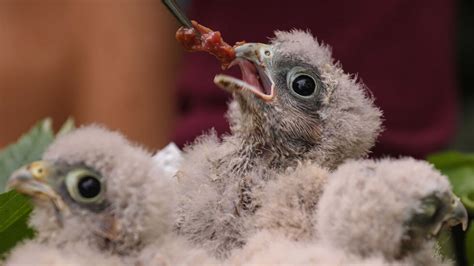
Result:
201,38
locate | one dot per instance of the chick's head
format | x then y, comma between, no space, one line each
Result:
294,98
93,185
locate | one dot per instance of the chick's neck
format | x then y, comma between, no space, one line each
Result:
257,143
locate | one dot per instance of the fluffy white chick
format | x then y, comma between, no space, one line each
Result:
97,195
389,207
294,104
371,213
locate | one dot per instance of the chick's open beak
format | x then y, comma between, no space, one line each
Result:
254,60
32,180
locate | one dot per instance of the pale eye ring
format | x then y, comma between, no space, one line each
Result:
84,186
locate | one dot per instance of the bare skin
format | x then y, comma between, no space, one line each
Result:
110,62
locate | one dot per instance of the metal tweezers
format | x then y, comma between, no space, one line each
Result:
178,12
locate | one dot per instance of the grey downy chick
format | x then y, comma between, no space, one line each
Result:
99,200
393,208
294,104
383,212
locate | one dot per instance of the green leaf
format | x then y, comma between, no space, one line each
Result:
451,159
12,205
67,127
14,213
29,148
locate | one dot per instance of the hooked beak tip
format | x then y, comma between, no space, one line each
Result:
459,215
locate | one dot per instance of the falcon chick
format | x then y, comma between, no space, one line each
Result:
293,104
389,207
371,213
95,192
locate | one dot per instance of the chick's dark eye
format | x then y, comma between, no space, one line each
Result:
89,187
85,186
303,85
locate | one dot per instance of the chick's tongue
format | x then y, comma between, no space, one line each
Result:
249,74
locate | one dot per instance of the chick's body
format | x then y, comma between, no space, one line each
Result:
79,254
267,248
300,107
99,199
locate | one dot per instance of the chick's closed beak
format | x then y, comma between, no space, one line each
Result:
458,215
32,180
